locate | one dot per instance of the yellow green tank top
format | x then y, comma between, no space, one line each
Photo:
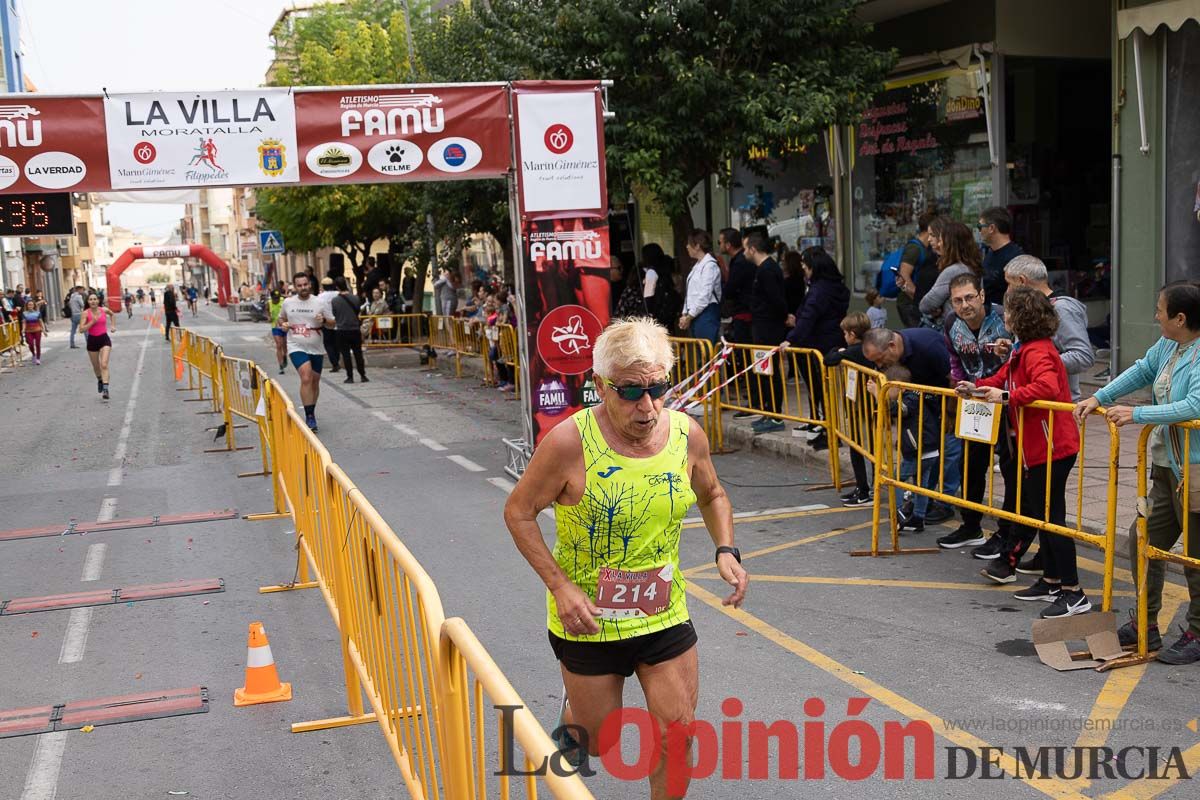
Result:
273,309
630,519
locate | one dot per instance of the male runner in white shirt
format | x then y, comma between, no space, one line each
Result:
303,317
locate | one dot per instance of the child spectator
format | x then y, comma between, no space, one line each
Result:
875,311
854,325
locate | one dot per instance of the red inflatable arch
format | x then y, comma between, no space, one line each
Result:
167,251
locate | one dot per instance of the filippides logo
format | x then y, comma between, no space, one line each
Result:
558,138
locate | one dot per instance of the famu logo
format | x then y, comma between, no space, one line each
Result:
17,128
564,245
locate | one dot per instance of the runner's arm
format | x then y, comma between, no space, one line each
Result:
716,510
540,485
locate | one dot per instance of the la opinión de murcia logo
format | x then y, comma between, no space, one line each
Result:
392,114
571,338
17,128
558,138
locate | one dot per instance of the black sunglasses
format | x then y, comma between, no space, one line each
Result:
634,393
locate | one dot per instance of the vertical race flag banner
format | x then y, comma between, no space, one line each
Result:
164,140
563,203
52,144
384,134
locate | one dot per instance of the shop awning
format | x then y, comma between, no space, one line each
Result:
1148,18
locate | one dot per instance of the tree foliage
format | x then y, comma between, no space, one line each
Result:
696,83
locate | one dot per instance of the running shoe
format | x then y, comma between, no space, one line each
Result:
1031,565
766,425
744,414
989,550
282,369
1186,650
99,384
572,750
999,571
857,498
1127,634
1040,590
1070,602
910,524
939,512
962,537
311,422
104,392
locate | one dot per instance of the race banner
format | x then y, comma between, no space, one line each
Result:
560,148
165,140
567,302
52,144
384,134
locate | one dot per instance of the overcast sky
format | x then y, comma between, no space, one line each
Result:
79,46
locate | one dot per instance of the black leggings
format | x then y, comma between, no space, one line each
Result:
1058,552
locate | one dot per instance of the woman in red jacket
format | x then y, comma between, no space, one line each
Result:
1035,371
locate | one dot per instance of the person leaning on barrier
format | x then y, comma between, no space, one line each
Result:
1072,340
972,330
1169,368
923,352
1035,372
621,476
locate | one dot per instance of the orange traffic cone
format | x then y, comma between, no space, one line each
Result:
262,681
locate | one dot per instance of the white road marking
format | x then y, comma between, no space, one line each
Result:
108,510
94,561
437,447
76,639
766,511
115,475
250,338
467,463
504,484
381,415
41,782
405,429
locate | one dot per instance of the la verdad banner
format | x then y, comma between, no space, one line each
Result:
253,137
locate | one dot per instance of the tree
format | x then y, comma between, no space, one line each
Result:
697,83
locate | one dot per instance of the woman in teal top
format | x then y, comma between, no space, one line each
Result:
1170,368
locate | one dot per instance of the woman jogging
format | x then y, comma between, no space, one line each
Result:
33,325
278,333
95,324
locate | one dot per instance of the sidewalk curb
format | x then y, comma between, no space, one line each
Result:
783,445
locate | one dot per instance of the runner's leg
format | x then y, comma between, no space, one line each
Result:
672,690
94,357
307,384
104,354
590,700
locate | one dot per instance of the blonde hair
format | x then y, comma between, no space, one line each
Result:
630,342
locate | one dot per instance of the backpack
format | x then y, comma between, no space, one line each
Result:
668,303
885,281
66,309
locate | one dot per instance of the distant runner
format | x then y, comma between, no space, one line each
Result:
95,324
129,304
621,476
303,318
278,334
152,301
170,310
191,300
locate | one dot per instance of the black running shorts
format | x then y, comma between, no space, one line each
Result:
622,656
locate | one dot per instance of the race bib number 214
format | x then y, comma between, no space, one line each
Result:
621,594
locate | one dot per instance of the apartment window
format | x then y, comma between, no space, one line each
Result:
81,230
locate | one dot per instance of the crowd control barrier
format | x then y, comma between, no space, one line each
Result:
1178,437
698,370
943,405
394,330
781,383
10,343
412,665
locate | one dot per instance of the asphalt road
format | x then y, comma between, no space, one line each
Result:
919,637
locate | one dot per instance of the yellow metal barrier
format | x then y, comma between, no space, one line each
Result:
442,336
510,354
1189,558
395,330
470,736
789,385
10,342
694,360
1059,414
397,648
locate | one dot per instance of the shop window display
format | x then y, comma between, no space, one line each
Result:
918,147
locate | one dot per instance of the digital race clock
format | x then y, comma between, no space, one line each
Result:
36,215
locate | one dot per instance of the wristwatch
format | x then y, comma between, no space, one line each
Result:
733,551
1004,396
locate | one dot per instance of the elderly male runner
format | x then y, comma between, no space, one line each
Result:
622,476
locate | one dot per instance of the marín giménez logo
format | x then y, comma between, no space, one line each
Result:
558,138
144,152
